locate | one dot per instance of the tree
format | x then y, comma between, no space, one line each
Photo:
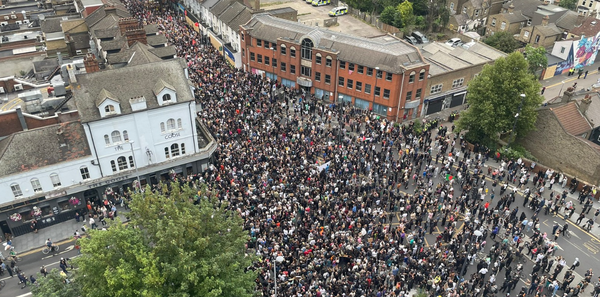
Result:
55,285
536,57
391,16
503,41
494,100
406,13
171,247
568,4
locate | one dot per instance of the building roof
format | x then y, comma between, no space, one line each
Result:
51,25
80,41
589,27
243,17
49,145
220,7
106,33
156,39
111,45
549,30
444,59
164,52
129,82
386,52
99,14
571,119
515,17
527,7
209,3
151,29
567,21
74,26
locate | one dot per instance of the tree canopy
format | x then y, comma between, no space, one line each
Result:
55,285
494,97
503,41
180,242
568,4
536,58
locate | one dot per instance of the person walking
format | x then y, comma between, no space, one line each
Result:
585,75
575,264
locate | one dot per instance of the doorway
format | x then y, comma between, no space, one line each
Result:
5,230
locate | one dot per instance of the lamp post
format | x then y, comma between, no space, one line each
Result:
512,133
374,90
561,88
278,259
136,168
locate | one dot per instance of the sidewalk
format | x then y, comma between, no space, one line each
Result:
555,86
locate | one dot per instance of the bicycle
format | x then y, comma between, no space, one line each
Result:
13,255
47,249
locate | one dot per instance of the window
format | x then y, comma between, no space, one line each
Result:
386,94
350,84
274,46
305,70
242,35
359,86
388,76
258,42
369,71
361,69
293,69
252,57
35,184
537,38
418,95
109,108
529,22
494,22
131,164
162,127
306,49
340,81
125,135
106,139
55,180
274,63
458,82
351,66
259,58
328,79
342,65
367,88
283,49
116,136
477,12
318,59
408,96
182,148
171,124
562,49
503,26
377,91
266,44
122,162
422,75
464,10
526,34
174,149
85,173
283,68
267,62
166,98
318,76
379,74
293,52
113,165
179,124
16,189
452,6
167,155
411,78
328,61
436,89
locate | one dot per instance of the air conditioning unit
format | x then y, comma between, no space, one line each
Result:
12,16
6,17
19,87
25,21
3,23
19,23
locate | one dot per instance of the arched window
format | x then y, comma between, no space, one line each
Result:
116,136
183,148
131,163
109,108
125,135
167,155
174,149
328,61
283,49
55,180
16,189
113,165
292,52
162,127
166,98
122,162
171,124
411,78
318,58
422,75
106,139
306,49
179,125
35,184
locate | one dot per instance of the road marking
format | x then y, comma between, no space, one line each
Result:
26,294
69,248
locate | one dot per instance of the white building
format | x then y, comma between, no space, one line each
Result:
589,8
140,116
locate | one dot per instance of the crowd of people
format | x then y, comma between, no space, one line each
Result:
346,197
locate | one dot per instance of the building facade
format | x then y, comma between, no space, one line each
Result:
384,74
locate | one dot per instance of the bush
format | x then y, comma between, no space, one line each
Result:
417,127
515,152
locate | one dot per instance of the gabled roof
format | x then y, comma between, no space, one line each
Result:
220,7
105,95
549,30
571,119
99,14
164,52
515,17
567,21
74,26
156,39
49,145
589,27
161,85
151,29
527,7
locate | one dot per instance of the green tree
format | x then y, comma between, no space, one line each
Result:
568,4
494,97
170,248
406,13
420,7
536,57
55,285
503,41
390,16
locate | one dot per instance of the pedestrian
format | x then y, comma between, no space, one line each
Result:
543,90
575,264
585,76
44,271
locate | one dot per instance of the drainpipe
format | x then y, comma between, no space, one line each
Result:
193,123
95,152
335,81
401,92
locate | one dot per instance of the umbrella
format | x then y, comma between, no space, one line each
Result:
477,233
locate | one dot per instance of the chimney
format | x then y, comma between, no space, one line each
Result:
138,34
511,8
127,24
545,20
256,4
91,64
580,18
585,104
546,2
21,119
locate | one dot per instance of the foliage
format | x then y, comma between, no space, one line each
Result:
494,100
170,248
406,12
55,285
418,127
392,17
568,4
503,41
515,152
536,57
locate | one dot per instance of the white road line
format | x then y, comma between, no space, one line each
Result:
26,294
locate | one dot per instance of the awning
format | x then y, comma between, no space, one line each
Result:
412,104
461,93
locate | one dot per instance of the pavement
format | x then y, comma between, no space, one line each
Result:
556,85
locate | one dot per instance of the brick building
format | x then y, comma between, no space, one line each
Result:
384,74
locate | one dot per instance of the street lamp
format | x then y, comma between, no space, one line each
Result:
136,168
561,88
278,259
512,133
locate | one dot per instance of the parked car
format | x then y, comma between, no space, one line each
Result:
320,2
454,42
419,37
411,40
338,11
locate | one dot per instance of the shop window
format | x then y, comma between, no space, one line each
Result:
64,205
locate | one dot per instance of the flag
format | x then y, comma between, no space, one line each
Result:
350,71
449,177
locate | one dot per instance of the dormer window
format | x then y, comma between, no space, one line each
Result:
107,104
164,92
166,98
109,109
